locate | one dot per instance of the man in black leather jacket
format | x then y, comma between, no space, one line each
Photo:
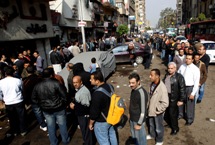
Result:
175,84
50,96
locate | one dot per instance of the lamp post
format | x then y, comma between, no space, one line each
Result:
82,27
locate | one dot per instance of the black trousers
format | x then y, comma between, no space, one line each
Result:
148,60
87,135
171,115
16,115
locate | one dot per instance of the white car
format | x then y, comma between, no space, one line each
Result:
210,49
181,38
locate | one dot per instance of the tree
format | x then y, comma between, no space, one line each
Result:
202,17
122,29
147,28
167,18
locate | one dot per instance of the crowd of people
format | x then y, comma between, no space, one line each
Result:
25,82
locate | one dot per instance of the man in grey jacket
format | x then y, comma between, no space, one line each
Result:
158,103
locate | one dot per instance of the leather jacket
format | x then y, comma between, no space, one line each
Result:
178,87
50,95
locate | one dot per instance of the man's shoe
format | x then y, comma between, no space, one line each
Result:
43,128
159,143
148,137
174,132
199,101
23,133
188,124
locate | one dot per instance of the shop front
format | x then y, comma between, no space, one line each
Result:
26,25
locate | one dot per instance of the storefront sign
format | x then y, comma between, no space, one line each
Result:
36,28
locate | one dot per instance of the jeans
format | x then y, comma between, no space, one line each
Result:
200,93
16,115
105,133
163,53
39,115
138,135
156,128
170,58
60,118
157,46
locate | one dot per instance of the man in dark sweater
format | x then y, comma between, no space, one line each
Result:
81,105
100,103
138,109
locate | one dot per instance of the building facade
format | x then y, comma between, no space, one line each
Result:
100,16
140,14
25,25
192,9
123,17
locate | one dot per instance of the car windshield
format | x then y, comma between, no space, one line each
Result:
120,49
181,38
209,46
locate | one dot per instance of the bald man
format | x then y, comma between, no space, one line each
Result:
81,106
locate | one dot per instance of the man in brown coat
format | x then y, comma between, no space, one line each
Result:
203,75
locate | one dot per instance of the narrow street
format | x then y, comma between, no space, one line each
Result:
199,133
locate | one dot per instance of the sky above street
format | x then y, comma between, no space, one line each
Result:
154,7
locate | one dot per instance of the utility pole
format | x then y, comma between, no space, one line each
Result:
82,27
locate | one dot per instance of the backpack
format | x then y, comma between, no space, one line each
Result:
116,108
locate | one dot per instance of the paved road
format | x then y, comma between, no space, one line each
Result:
200,133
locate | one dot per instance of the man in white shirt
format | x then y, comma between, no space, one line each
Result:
75,50
191,74
11,94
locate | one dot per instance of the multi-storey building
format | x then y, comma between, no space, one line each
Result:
123,18
179,11
140,13
192,8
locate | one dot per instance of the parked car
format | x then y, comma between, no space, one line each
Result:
122,55
210,49
181,38
105,59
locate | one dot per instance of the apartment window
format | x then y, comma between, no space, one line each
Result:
119,5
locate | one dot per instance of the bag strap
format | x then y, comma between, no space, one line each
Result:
106,93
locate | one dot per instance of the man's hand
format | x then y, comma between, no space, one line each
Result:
191,97
91,124
180,103
72,106
137,127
